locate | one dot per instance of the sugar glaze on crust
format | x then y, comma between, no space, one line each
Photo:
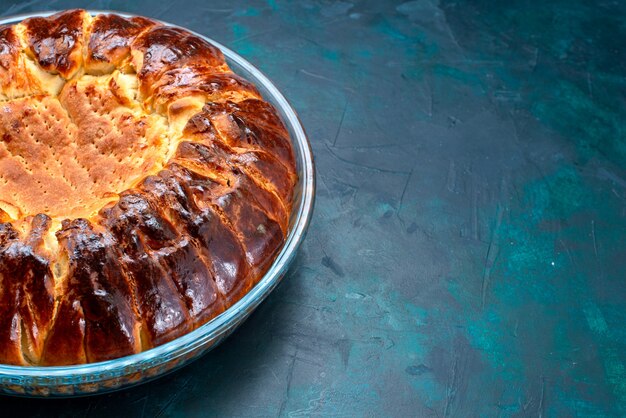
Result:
144,187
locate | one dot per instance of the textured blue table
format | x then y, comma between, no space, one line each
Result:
466,257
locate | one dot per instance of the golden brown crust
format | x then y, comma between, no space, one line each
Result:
109,41
26,299
19,76
161,49
198,82
56,42
9,61
144,186
96,281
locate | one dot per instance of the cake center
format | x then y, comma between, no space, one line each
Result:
67,155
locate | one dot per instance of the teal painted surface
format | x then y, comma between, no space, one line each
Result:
467,253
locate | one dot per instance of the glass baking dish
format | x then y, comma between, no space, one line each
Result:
127,371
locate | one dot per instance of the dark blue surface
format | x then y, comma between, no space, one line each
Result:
466,257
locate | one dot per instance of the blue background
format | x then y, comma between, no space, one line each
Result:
466,256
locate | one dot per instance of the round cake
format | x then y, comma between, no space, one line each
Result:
144,187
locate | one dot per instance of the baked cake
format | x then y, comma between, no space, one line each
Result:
144,187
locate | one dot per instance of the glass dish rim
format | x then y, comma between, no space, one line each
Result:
220,324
